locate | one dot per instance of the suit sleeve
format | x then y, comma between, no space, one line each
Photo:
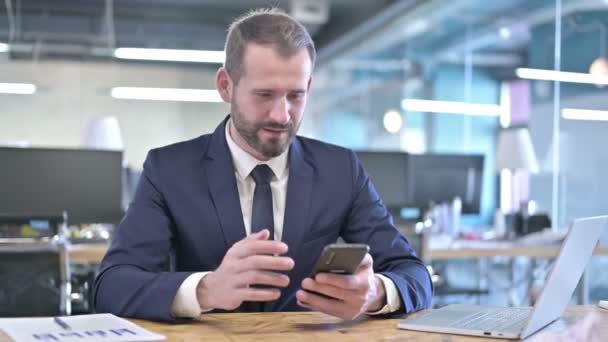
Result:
368,221
133,280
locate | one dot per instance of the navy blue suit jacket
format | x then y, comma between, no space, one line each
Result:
186,212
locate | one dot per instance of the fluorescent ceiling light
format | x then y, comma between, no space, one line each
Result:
561,76
166,94
197,56
17,88
584,114
449,107
3,47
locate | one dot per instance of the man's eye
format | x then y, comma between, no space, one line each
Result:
264,95
296,96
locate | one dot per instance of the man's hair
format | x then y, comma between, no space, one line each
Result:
270,26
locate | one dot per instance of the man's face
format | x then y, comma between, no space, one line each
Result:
268,103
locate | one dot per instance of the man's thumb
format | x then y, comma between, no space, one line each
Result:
261,235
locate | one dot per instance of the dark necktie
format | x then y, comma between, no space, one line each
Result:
261,215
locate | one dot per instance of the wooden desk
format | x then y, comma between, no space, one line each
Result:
93,253
489,249
313,326
87,253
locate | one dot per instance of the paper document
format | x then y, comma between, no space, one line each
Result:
98,327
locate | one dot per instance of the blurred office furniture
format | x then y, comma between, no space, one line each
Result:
515,154
85,183
533,248
515,151
520,224
103,134
418,182
82,280
34,272
440,178
24,227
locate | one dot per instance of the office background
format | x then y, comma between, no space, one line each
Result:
375,57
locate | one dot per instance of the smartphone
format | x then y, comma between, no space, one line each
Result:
341,258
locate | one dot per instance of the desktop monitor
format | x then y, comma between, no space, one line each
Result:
414,181
442,177
87,184
387,171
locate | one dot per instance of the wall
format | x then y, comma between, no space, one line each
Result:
70,94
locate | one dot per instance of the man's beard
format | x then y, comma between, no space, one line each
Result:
249,131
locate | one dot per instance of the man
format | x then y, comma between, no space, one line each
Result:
246,210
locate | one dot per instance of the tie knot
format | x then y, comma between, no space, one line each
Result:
262,174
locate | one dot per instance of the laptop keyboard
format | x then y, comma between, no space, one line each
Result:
507,319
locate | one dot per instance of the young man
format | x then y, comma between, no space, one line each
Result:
245,211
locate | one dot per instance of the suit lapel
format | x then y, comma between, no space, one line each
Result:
223,189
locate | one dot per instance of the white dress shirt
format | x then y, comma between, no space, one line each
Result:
185,303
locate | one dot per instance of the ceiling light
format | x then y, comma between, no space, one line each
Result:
17,88
599,68
3,47
196,56
392,121
449,107
584,114
166,94
561,76
504,33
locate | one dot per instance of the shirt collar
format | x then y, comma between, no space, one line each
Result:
244,162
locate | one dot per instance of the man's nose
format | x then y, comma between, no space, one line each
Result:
280,111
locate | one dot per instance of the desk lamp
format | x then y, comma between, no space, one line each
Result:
515,153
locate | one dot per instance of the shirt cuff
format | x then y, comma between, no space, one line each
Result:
393,302
185,304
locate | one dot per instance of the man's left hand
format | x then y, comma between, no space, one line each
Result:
344,296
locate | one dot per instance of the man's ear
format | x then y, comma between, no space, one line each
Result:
224,85
308,85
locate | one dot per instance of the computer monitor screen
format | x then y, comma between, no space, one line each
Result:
85,183
441,177
387,171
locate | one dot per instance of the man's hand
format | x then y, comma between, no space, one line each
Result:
250,261
344,296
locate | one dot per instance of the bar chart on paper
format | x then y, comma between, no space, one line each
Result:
98,327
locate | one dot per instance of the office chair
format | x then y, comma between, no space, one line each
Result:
34,267
34,279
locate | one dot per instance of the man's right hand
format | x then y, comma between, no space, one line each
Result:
251,261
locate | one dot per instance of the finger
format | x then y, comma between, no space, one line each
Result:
304,305
345,281
265,262
366,263
263,278
326,305
258,294
327,290
246,248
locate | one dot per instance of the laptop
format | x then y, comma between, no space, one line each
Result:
519,323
